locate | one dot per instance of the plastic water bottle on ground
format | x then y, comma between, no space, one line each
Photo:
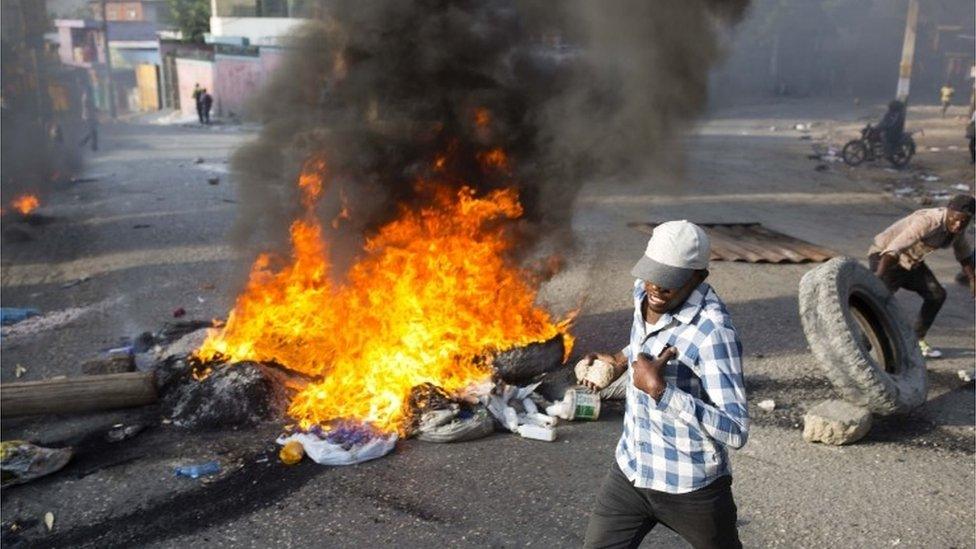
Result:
199,470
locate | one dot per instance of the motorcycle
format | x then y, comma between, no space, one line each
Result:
870,147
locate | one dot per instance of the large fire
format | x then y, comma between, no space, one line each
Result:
430,300
25,203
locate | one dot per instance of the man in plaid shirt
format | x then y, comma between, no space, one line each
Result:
686,403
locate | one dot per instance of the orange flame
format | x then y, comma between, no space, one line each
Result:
495,159
344,213
25,204
432,298
482,117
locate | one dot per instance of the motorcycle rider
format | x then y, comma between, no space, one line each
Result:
892,127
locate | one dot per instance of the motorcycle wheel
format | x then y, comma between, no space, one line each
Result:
904,154
854,152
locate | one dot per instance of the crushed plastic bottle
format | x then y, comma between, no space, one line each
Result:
292,452
199,470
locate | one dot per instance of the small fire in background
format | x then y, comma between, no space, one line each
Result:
432,298
25,203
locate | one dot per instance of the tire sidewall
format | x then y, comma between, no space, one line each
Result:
843,356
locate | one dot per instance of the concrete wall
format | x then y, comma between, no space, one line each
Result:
190,72
260,31
236,80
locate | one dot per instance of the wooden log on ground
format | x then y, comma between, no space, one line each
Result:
77,394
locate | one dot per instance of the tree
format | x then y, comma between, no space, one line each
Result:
192,17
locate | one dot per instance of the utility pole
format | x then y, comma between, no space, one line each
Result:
108,64
907,52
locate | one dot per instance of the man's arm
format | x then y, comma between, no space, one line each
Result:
726,418
885,263
966,257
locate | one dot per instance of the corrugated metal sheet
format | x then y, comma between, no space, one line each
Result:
753,243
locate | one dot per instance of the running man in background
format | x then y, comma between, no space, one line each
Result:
897,257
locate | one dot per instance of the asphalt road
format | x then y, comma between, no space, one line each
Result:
150,235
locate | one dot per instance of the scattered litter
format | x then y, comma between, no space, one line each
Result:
21,461
13,315
455,424
891,170
939,195
201,300
199,160
264,459
929,178
49,520
199,470
76,282
961,187
120,432
179,312
345,444
953,147
291,453
48,321
802,127
577,404
213,180
19,371
904,191
967,375
772,128
537,432
767,405
934,149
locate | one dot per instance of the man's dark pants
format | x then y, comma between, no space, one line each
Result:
920,280
625,514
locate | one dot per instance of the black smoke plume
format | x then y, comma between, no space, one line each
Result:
571,91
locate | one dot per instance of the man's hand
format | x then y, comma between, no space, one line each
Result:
649,372
619,363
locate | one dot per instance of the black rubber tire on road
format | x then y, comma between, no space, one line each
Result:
833,297
854,152
904,155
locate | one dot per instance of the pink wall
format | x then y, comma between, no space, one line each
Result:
237,79
188,73
270,60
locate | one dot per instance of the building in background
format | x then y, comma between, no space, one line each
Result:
259,22
133,29
244,47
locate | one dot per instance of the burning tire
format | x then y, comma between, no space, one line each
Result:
860,338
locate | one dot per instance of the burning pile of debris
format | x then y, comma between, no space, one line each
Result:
409,342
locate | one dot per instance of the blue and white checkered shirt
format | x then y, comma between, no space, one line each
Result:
677,444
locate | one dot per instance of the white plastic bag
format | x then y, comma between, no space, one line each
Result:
323,452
